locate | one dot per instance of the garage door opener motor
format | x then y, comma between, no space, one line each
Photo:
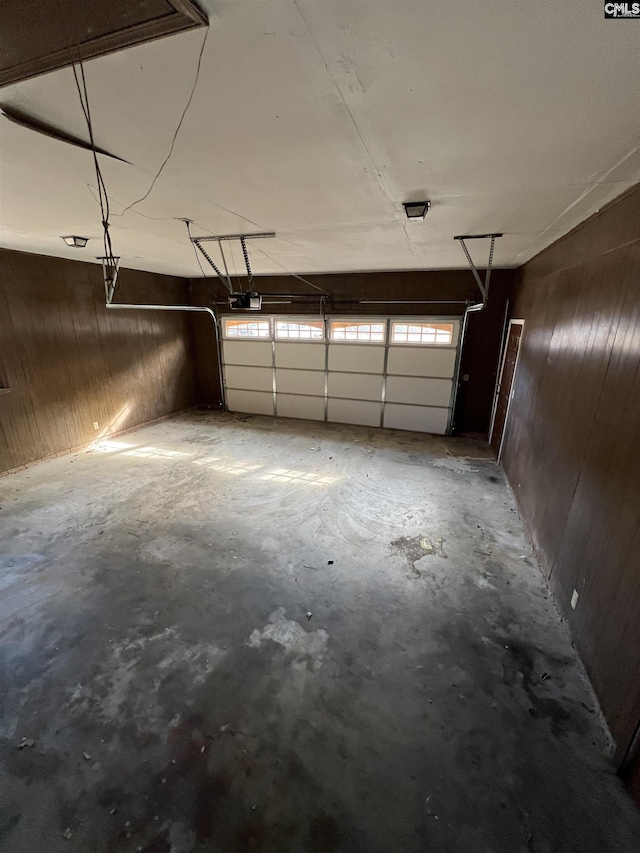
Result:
239,300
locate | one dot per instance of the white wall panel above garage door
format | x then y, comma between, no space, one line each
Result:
397,373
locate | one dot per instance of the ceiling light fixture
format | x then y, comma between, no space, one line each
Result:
76,242
416,209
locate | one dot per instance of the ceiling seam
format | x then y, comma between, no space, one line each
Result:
380,181
576,201
346,106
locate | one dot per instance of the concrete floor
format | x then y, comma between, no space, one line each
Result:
156,647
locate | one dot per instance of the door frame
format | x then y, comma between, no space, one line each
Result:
499,384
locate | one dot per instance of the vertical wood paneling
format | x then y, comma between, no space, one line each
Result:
571,445
69,361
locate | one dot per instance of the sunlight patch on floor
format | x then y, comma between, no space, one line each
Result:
285,475
216,463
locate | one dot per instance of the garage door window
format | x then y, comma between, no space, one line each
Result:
422,333
357,331
395,372
246,329
300,331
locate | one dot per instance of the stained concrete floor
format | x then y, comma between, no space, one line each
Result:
234,634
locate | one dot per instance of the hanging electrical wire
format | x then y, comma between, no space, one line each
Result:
177,130
110,261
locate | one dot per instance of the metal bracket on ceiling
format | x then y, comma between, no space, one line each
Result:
110,267
242,238
260,236
484,286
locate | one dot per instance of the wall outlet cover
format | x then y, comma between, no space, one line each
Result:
96,425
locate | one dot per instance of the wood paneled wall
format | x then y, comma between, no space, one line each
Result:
348,294
68,361
571,446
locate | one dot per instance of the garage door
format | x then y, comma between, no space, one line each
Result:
381,372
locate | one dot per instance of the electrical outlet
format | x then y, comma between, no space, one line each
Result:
96,425
574,599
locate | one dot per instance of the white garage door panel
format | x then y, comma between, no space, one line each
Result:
355,386
299,406
256,353
300,382
432,392
356,358
304,356
255,402
421,361
354,412
249,378
353,382
417,418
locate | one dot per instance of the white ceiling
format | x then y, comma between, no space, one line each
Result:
318,119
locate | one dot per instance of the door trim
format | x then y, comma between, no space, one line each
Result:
499,384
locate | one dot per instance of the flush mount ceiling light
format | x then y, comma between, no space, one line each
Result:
416,209
76,242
